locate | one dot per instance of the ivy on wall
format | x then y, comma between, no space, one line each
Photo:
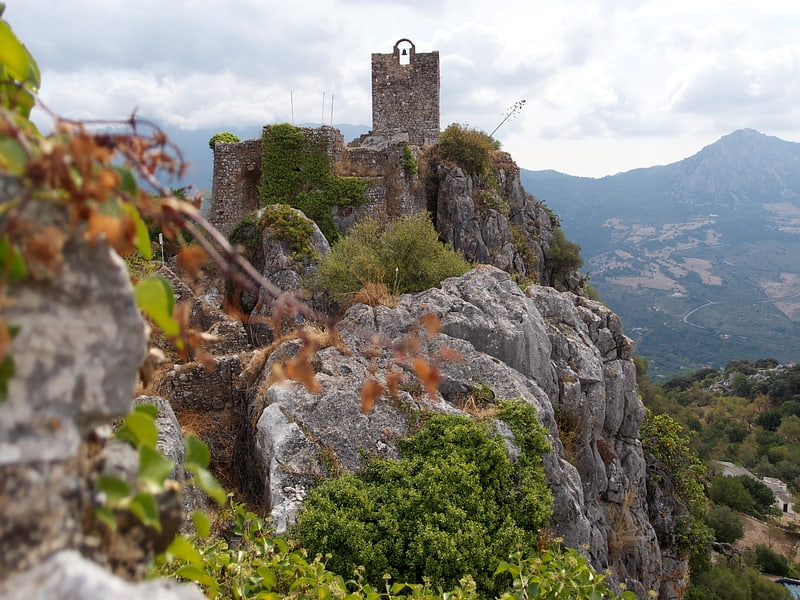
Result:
297,172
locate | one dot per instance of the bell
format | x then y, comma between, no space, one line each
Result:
405,52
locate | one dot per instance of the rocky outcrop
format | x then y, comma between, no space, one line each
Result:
564,354
497,224
77,353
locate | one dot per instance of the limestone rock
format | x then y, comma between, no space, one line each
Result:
68,576
499,225
80,343
561,353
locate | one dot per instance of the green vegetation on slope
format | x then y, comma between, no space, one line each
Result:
402,256
297,172
453,505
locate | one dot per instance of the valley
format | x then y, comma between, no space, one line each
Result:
700,263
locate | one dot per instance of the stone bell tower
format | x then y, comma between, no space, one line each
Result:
405,94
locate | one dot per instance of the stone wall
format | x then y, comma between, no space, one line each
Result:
405,97
237,170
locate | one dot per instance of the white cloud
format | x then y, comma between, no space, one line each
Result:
593,72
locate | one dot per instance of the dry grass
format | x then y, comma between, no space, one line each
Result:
374,294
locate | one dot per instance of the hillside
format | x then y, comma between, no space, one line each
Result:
697,257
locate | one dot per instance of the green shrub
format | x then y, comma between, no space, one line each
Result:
469,148
562,257
731,492
451,506
283,223
409,162
769,561
405,255
727,525
225,137
666,441
255,565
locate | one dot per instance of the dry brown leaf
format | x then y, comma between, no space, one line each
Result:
428,375
191,258
43,248
370,392
432,324
5,339
300,369
119,232
447,353
393,382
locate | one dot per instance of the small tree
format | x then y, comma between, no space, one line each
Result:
731,492
562,257
726,524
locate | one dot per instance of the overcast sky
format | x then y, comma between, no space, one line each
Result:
610,85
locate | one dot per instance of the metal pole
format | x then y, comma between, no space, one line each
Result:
332,98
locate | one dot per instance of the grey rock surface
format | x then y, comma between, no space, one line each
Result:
80,343
563,354
68,576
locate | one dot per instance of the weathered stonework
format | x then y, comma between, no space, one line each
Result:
237,171
405,97
405,109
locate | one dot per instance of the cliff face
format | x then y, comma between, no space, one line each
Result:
565,355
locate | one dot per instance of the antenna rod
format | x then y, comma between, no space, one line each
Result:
332,97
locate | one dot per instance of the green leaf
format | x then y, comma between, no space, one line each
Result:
268,578
12,265
142,241
7,369
12,155
182,548
127,182
144,507
154,468
155,298
113,487
106,516
16,65
139,428
192,573
197,452
206,482
201,523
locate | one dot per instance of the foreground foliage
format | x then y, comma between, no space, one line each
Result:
242,560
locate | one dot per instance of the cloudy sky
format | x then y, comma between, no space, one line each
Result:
610,85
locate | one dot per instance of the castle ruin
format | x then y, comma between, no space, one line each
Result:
405,111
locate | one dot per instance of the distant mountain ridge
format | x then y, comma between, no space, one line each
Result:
698,256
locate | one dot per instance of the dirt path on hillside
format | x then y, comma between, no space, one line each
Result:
780,539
